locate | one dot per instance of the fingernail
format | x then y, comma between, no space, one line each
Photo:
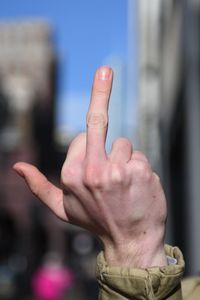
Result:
104,73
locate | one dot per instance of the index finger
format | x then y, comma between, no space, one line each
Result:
97,116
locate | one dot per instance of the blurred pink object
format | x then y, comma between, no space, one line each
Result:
52,281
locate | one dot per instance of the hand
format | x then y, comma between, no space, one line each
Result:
117,196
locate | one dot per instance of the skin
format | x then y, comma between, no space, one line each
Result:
115,196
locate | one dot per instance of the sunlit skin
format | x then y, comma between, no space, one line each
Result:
115,196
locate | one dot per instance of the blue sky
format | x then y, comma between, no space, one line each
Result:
86,34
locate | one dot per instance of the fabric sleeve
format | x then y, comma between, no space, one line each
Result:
158,283
191,288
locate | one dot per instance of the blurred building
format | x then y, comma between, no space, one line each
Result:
27,62
28,69
27,94
169,113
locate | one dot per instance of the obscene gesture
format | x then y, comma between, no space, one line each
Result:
115,196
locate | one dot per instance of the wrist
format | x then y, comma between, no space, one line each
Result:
136,255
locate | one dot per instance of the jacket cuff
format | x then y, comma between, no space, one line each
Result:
122,283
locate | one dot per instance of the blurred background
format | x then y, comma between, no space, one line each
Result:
49,51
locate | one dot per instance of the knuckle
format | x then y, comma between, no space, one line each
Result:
157,178
79,139
123,142
97,120
81,135
68,176
98,92
117,174
142,170
92,177
140,156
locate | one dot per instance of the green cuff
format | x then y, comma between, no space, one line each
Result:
122,283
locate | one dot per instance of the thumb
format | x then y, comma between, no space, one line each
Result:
43,189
